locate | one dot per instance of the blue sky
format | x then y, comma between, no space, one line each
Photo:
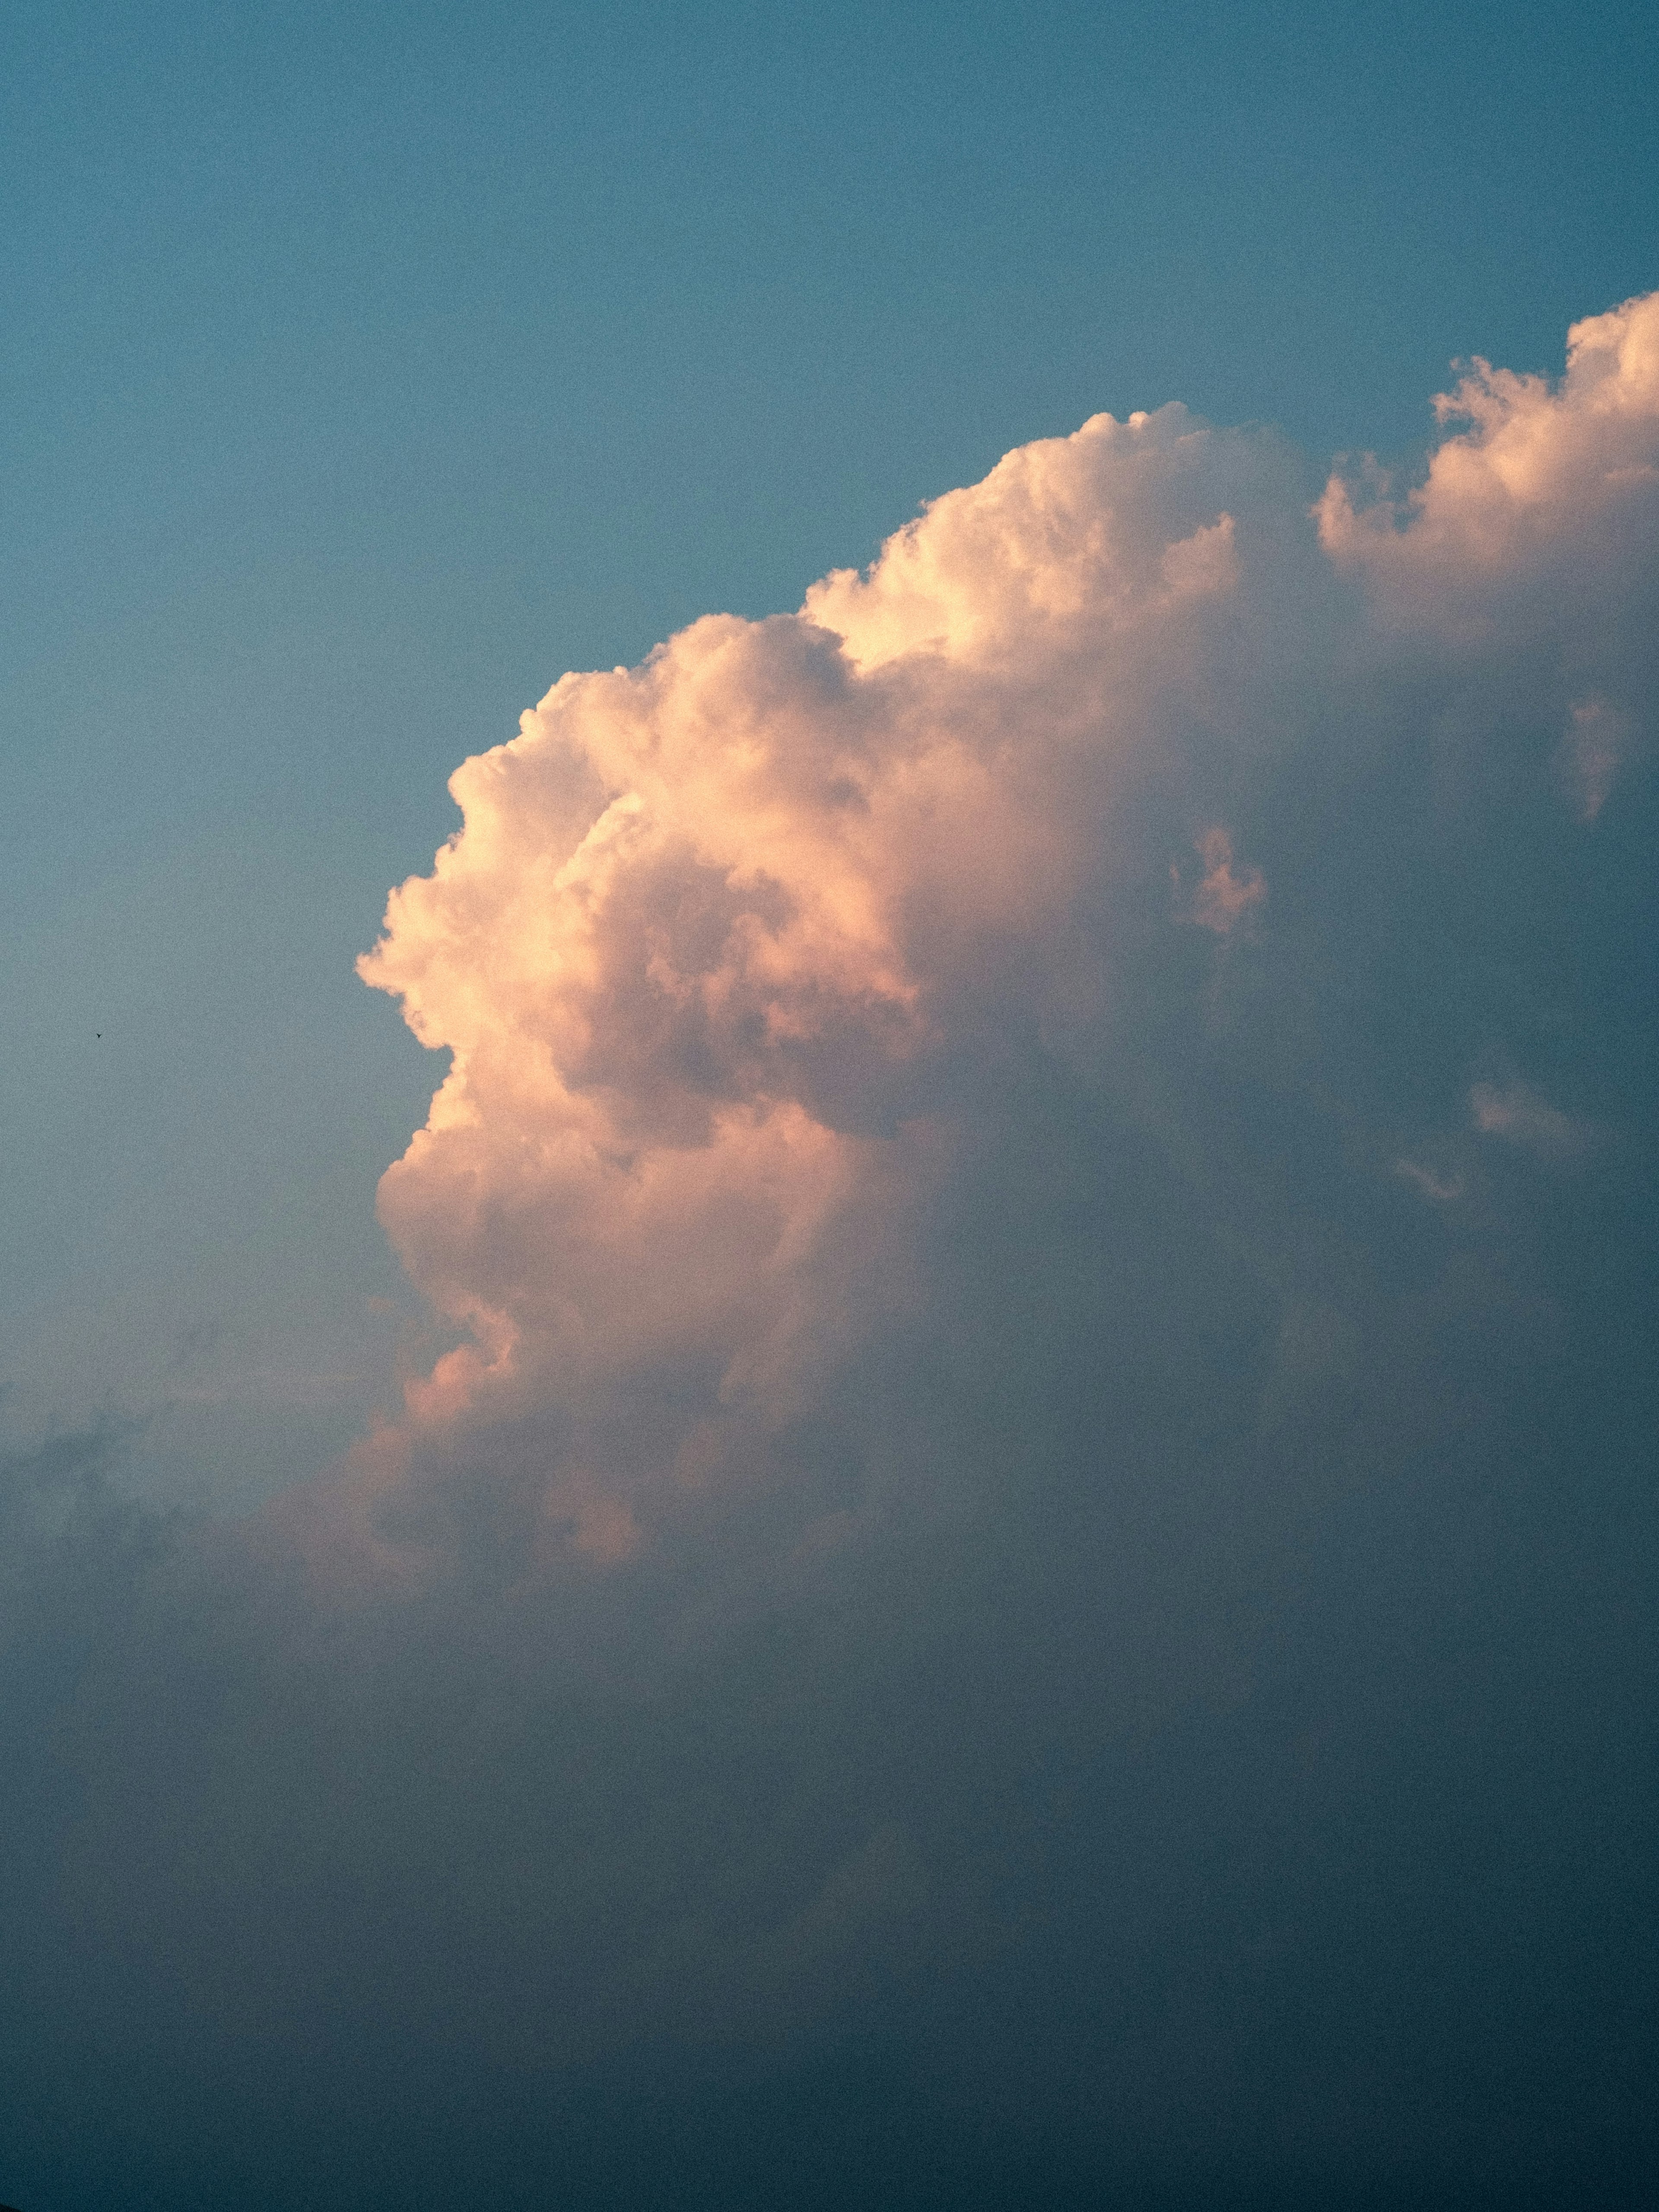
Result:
1015,1554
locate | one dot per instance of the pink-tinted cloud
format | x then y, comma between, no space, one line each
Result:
1228,895
1541,472
726,940
1521,1115
712,925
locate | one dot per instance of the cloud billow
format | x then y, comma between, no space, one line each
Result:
1047,1185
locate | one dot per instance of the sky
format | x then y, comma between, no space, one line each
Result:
899,1454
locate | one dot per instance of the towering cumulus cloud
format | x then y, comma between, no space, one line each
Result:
742,953
1027,1577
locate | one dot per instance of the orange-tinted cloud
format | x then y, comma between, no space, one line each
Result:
727,940
1540,470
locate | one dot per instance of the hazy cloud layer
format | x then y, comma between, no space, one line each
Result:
1032,1567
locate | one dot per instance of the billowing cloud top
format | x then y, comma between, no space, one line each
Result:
1541,472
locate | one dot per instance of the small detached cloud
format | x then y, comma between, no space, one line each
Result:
1444,1190
1543,477
1599,740
1521,1115
1228,896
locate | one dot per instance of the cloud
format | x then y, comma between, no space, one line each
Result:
984,1589
1225,899
733,948
720,933
1520,1116
1599,740
1516,589
1542,474
1431,1185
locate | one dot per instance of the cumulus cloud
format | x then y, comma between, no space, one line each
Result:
975,1513
722,942
1438,1188
730,943
1541,470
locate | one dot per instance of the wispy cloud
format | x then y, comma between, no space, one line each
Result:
1228,897
1521,1115
1599,740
